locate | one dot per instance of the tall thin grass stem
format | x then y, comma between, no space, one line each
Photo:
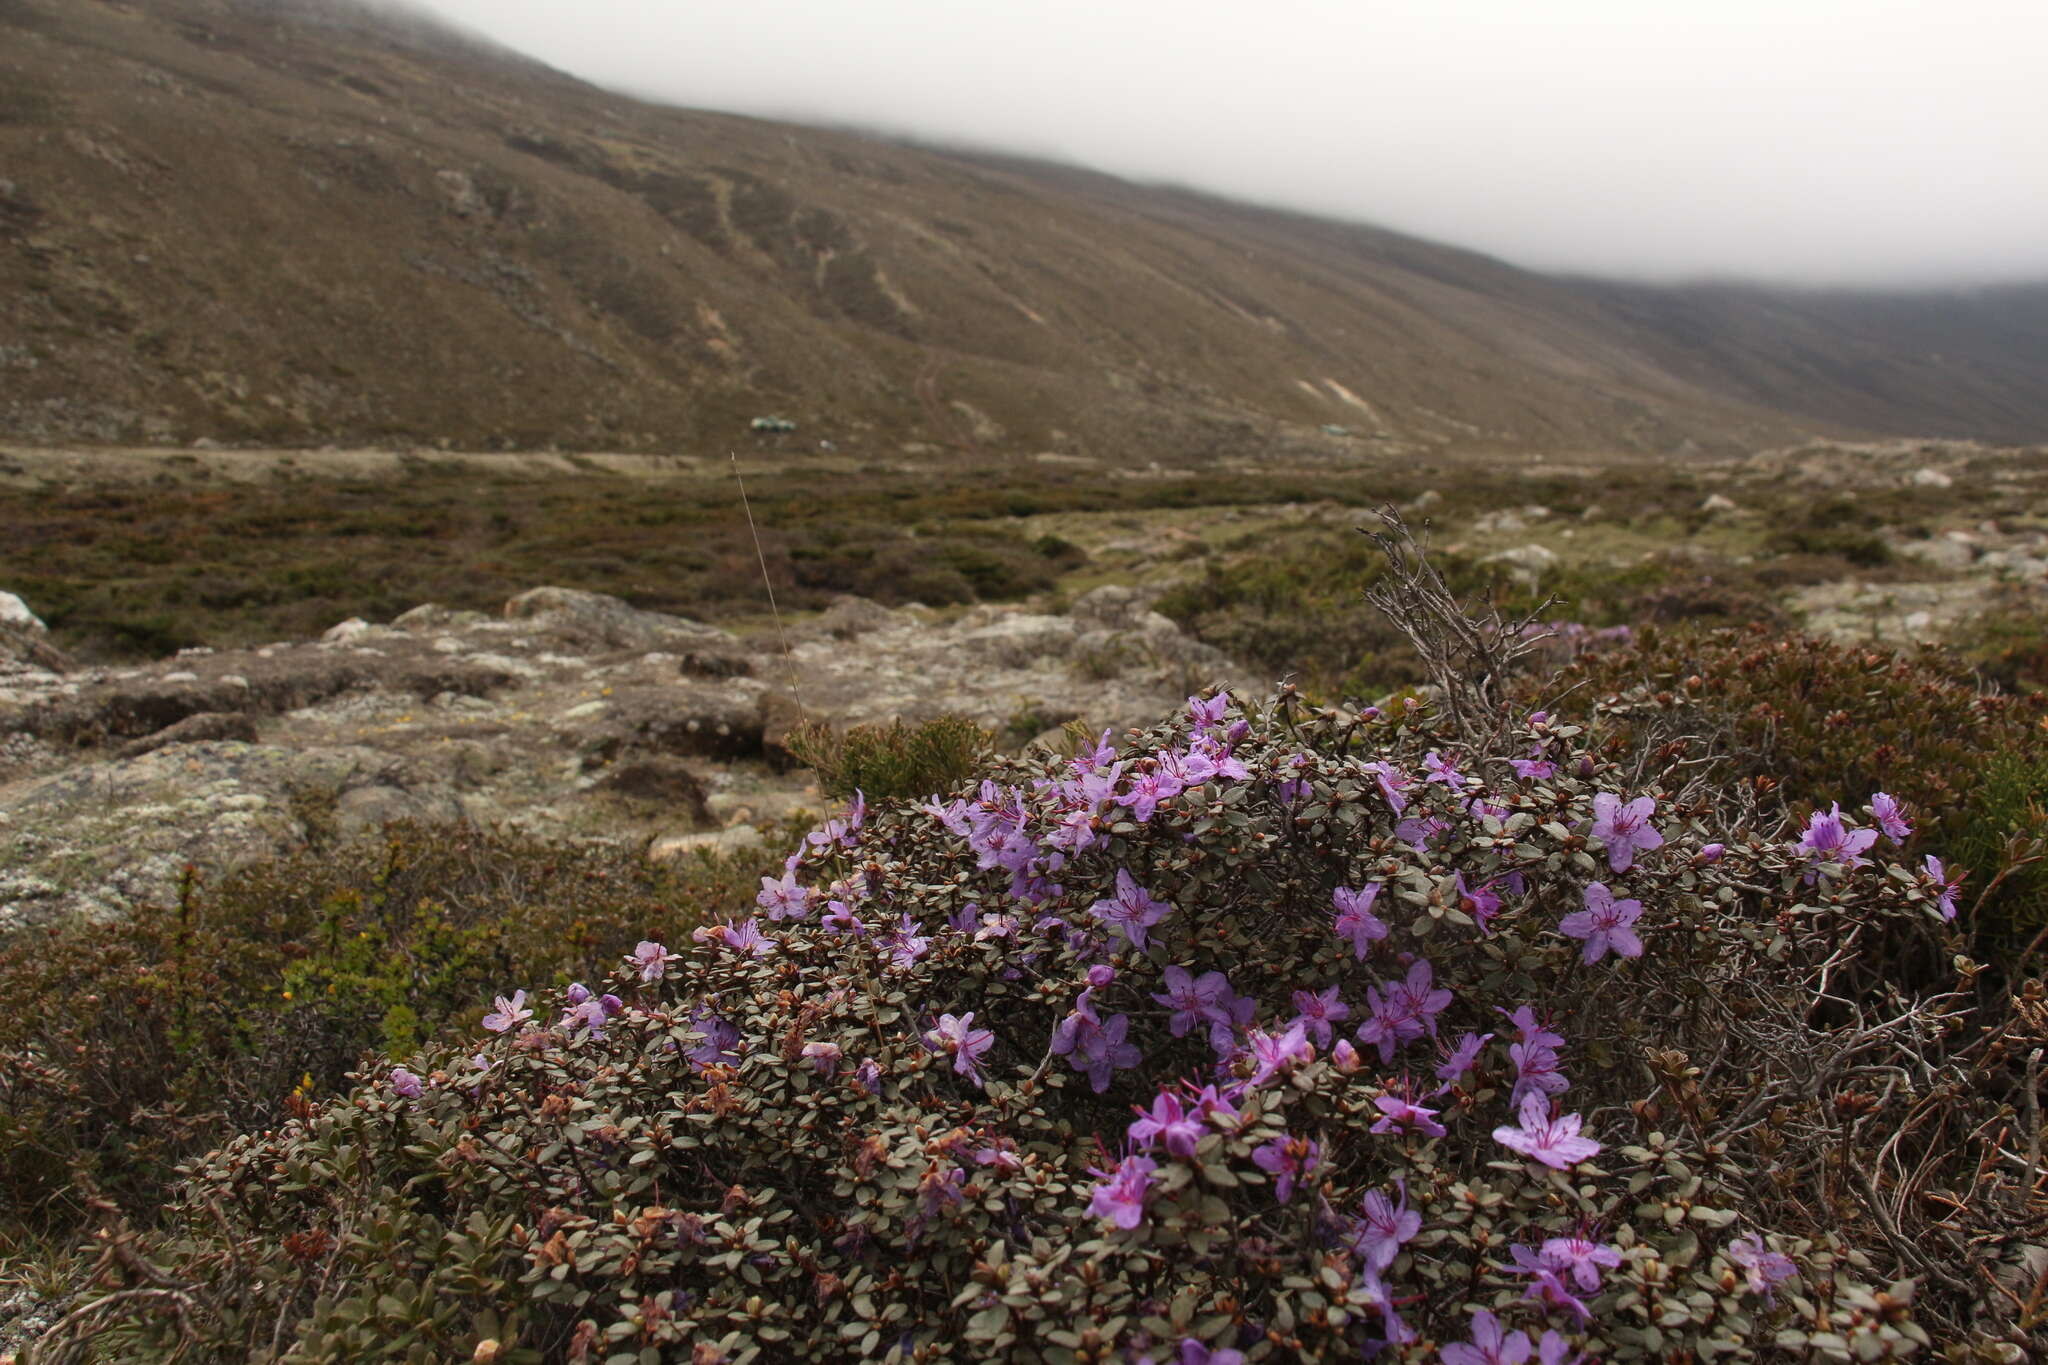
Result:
788,658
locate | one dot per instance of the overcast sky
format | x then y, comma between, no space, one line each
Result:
1822,141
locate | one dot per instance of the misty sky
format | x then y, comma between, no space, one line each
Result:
1824,141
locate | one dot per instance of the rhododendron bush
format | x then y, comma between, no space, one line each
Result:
1270,1033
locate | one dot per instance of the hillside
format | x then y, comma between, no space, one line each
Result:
298,223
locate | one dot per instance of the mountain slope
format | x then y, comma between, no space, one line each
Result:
295,221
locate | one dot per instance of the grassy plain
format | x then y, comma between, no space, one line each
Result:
134,553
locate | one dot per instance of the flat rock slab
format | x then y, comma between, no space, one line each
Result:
571,715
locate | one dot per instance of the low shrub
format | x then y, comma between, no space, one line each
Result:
893,762
256,994
1435,1051
1806,719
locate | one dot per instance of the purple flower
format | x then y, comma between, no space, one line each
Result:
1193,1352
906,945
1120,1197
1490,1345
1605,924
1711,853
589,1012
965,1042
1482,903
1169,1122
1355,919
1098,756
1624,829
1195,999
1580,1257
509,1013
1318,1010
1382,1229
720,1041
1437,768
823,1057
940,1188
652,959
1536,1072
1946,900
1287,1159
1547,1285
746,937
1554,1142
1530,1028
1535,768
839,918
1094,1046
1398,1112
404,1082
1890,817
1131,909
1761,1267
576,994
1462,1058
1827,840
1393,784
1147,791
1274,1051
1417,831
1421,1001
1214,1106
784,899
1208,713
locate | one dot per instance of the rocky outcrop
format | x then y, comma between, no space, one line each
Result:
571,714
25,640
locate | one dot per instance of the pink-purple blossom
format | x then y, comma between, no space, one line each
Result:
1606,924
1094,1045
966,1043
1556,1142
1625,829
1355,919
1827,840
1399,1113
1131,909
651,960
1579,1257
1462,1057
1890,817
1490,1344
509,1014
1762,1268
1318,1010
1120,1194
782,898
1168,1122
1382,1227
1193,1352
1945,900
1274,1052
1207,998
406,1083
1287,1158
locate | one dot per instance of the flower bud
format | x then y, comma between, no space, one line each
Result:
1710,854
578,993
612,1005
1345,1057
1101,974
